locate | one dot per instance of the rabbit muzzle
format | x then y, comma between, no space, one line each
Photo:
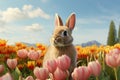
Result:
60,41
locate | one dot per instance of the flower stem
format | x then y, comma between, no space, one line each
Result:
97,78
103,55
115,71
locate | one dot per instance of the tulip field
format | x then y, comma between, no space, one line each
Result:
23,62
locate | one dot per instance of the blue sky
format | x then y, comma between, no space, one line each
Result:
32,21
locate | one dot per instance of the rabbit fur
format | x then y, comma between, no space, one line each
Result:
61,41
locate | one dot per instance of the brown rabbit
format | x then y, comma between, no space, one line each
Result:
61,41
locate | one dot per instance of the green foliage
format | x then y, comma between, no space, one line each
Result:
104,76
110,72
118,73
112,37
16,74
119,35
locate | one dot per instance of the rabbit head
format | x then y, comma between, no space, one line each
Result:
62,35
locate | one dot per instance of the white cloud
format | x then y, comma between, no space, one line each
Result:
8,29
2,30
27,7
12,14
34,27
32,13
38,13
2,23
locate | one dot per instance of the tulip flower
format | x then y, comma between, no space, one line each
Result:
29,78
60,74
94,67
22,53
51,65
12,63
113,58
31,65
7,76
1,68
115,51
63,62
33,55
81,73
41,73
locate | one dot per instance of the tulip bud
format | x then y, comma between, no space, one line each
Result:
33,55
113,58
95,68
63,62
29,78
7,76
41,73
81,73
12,63
22,53
51,65
60,74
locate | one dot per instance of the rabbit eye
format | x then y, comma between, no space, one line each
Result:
65,33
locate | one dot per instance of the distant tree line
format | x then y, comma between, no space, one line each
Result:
113,35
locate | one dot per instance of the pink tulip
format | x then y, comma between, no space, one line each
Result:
95,68
115,51
29,78
22,53
33,55
41,73
81,73
7,76
1,68
63,62
60,74
113,58
12,63
51,65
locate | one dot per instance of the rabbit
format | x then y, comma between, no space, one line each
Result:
61,41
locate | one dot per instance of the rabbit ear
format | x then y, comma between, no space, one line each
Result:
58,20
71,21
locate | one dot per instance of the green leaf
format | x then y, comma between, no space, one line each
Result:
104,76
16,73
119,73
